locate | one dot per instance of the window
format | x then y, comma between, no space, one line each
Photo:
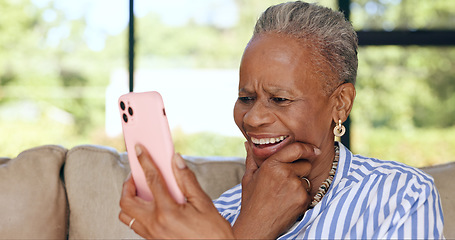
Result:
63,64
404,109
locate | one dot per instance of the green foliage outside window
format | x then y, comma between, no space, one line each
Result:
52,86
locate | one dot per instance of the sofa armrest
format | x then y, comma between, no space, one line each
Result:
33,202
444,177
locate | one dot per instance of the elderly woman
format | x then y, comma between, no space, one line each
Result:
296,89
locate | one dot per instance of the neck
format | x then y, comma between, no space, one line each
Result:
321,167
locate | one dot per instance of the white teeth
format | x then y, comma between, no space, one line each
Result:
267,140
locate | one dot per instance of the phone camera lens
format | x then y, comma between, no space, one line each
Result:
122,105
125,118
130,111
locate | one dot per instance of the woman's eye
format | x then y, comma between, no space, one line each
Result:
279,99
246,99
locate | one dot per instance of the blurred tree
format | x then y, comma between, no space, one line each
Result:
405,87
402,14
439,111
21,34
44,57
199,45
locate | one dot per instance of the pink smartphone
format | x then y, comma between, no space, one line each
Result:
144,121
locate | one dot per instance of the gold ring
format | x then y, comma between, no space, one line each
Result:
131,222
308,182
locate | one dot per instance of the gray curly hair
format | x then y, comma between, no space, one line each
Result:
318,28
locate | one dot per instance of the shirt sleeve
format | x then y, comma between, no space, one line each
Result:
418,214
228,204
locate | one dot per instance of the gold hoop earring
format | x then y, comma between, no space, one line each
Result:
339,130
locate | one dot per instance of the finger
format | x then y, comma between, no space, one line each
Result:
129,202
124,218
154,178
296,151
136,225
137,208
250,165
301,168
188,184
306,183
129,188
129,192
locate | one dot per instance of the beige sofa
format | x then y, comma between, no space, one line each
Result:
50,192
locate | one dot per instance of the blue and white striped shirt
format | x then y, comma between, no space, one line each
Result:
368,198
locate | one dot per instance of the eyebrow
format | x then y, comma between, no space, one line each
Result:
244,90
273,90
277,90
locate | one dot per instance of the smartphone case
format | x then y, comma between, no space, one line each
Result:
144,121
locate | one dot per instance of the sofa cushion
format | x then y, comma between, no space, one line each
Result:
33,203
216,174
94,176
444,177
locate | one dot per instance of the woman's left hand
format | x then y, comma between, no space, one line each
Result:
274,194
164,217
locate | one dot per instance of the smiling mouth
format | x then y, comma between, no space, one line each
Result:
266,142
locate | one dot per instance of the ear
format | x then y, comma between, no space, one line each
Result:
343,99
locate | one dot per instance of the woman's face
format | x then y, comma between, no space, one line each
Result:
281,98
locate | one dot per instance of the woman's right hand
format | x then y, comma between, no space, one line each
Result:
274,195
163,217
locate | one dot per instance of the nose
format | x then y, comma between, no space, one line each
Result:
258,115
